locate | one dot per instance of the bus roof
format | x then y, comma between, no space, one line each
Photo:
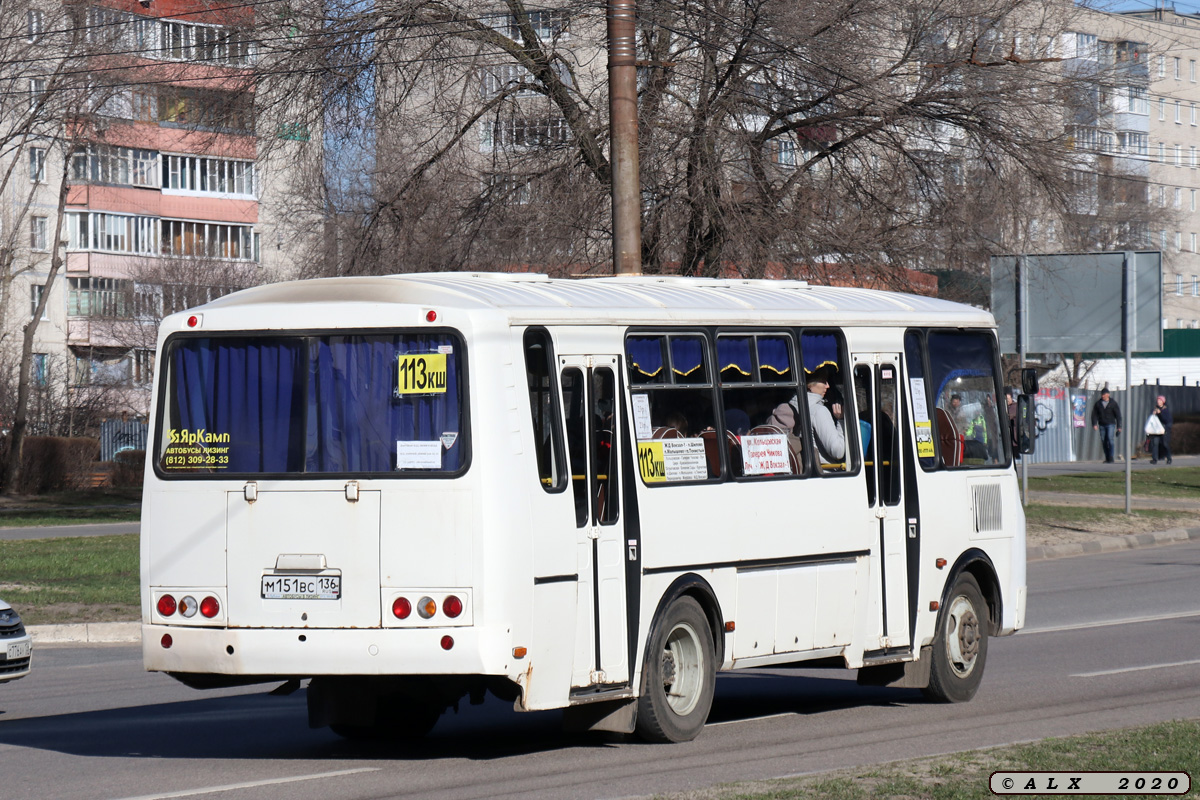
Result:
529,298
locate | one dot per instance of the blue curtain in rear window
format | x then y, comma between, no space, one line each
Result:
733,358
645,359
354,417
316,404
818,349
251,390
774,359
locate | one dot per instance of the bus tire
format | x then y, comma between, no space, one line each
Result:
960,644
679,676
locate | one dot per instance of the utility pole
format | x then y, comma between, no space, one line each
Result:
623,136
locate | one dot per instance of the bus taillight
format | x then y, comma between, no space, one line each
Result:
401,608
166,605
426,607
452,606
209,607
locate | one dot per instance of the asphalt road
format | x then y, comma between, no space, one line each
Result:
1113,641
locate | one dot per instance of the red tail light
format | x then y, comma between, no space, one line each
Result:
452,606
166,605
209,607
167,641
401,608
447,642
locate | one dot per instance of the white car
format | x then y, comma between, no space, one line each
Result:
16,646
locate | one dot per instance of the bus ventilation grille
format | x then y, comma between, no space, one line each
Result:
988,514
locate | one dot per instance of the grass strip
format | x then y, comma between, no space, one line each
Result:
76,579
1181,482
1091,518
1165,747
73,516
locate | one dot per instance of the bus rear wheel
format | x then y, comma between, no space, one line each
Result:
679,676
960,644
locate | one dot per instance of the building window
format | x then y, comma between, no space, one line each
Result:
1193,247
38,237
1179,155
1177,62
99,297
1162,67
1138,102
1192,70
1193,114
112,233
208,175
1193,200
1192,156
207,240
1162,108
1162,238
36,292
1195,278
1178,197
1178,116
38,369
125,166
521,133
1162,152
37,164
1178,247
1179,284
35,24
546,25
37,88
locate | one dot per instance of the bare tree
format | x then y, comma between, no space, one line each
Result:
873,134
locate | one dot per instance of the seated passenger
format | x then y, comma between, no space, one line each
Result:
737,421
676,419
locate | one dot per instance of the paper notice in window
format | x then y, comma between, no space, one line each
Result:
920,404
419,455
684,459
641,417
765,455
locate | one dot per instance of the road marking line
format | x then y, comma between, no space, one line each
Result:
1106,623
748,719
1135,669
252,784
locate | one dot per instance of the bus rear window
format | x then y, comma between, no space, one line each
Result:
371,403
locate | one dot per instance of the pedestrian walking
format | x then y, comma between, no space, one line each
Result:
1160,443
1106,418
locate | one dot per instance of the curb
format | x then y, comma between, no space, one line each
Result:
87,633
131,632
1111,544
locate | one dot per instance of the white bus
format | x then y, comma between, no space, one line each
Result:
587,495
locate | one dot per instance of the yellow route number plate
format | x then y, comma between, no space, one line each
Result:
424,373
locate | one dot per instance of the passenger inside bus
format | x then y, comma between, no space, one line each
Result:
826,417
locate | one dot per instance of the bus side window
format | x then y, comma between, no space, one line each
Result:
672,372
604,437
963,370
764,432
826,387
918,387
576,415
543,405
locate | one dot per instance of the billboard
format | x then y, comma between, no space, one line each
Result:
1075,302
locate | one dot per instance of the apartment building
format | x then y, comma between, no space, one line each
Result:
167,201
1137,143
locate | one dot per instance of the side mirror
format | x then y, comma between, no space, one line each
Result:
1026,423
1029,381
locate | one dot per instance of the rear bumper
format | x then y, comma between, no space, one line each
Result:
308,652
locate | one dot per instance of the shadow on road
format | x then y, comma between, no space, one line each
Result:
260,726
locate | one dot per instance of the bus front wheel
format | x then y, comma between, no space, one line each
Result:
960,644
679,676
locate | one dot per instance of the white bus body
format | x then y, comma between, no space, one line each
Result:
416,488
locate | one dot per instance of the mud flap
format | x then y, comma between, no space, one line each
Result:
904,675
619,716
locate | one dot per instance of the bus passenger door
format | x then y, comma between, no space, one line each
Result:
877,384
589,387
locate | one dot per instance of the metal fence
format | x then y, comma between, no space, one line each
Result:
117,435
1064,419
